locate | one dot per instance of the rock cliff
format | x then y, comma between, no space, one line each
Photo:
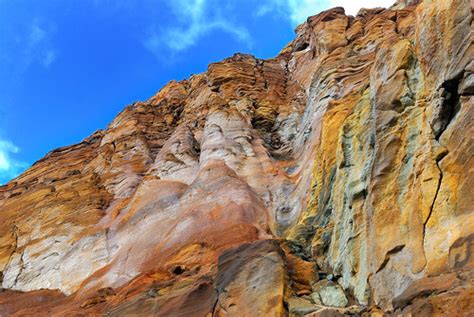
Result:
336,178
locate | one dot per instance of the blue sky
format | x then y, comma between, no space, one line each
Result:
69,66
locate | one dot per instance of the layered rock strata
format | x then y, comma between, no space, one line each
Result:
336,178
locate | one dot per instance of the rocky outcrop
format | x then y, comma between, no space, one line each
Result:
336,178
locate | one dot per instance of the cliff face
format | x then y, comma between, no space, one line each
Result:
336,177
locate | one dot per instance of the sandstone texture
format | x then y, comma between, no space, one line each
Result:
334,179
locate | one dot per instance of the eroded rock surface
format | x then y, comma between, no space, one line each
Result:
336,178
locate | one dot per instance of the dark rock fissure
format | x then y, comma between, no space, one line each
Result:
450,104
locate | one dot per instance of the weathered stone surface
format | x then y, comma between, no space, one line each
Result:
329,294
343,167
300,306
251,281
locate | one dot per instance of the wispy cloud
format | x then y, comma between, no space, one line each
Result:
194,20
9,166
48,58
31,44
37,46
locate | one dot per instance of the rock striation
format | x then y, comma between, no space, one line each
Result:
336,178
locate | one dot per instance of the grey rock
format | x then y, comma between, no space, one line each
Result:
301,306
329,294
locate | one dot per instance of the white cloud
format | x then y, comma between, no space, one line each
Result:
9,166
300,10
297,11
195,19
352,6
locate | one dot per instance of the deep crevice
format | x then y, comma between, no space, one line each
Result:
178,270
450,104
434,201
301,46
438,188
213,313
438,159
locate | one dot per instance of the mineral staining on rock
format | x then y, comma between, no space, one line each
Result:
336,178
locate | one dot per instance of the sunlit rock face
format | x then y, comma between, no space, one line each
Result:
336,178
